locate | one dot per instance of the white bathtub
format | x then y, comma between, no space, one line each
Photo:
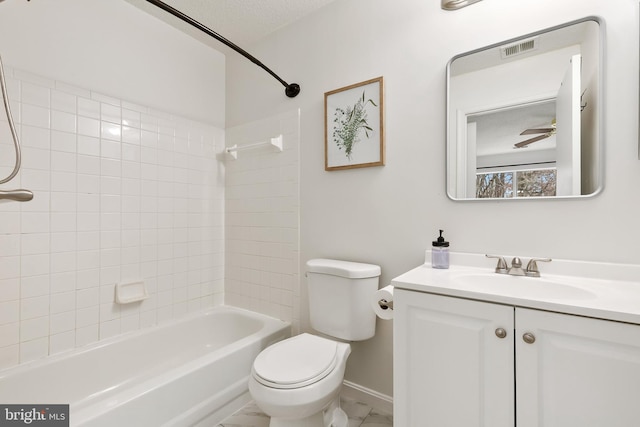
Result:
190,372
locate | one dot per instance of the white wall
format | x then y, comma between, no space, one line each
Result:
125,188
389,215
118,49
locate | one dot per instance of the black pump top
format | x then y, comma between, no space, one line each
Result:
441,241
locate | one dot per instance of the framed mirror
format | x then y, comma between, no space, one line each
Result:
524,116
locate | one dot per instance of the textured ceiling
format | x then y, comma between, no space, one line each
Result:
243,22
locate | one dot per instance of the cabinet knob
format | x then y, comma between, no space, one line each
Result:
529,338
501,333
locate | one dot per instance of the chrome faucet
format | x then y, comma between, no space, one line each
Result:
532,267
501,267
516,266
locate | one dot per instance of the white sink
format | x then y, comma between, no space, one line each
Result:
522,286
600,290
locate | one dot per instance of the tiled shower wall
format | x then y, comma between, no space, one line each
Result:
121,193
262,219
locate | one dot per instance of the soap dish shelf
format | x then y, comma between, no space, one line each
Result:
127,293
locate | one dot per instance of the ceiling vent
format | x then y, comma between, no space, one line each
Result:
519,48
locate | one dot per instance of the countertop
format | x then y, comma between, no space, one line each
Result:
599,290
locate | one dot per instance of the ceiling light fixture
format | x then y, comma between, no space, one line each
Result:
456,4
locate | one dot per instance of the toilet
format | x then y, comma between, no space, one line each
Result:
297,381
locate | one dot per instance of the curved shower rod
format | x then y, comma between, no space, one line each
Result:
291,89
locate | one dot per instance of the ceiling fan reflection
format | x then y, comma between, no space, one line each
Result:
546,133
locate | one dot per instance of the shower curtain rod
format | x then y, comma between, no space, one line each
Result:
291,89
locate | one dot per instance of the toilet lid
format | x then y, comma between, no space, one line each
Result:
295,362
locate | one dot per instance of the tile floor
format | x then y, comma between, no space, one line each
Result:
360,415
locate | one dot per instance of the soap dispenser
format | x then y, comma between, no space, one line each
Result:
440,253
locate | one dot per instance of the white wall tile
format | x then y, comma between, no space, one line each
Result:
9,312
110,113
88,240
63,101
9,289
36,180
87,298
71,89
63,222
33,327
90,146
62,262
35,94
87,316
63,241
63,161
88,260
40,203
105,99
131,169
88,221
62,342
63,282
88,164
110,131
111,166
103,211
63,302
110,185
34,265
62,322
88,126
63,181
262,220
86,335
34,349
34,286
131,135
88,276
131,117
88,183
10,334
36,137
64,202
88,108
9,245
131,152
61,121
10,223
35,158
32,115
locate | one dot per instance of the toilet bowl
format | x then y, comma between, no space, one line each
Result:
297,381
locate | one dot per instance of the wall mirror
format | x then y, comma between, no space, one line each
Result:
524,116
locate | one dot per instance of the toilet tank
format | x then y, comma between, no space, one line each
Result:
340,294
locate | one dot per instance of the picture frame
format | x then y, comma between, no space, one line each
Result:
354,126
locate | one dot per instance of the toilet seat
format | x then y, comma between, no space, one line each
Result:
295,362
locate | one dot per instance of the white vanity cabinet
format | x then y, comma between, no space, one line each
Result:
578,372
450,369
465,363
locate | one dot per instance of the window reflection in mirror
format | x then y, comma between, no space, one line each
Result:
523,116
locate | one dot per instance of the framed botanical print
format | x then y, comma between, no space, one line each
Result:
354,126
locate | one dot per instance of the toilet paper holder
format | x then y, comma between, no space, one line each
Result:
385,305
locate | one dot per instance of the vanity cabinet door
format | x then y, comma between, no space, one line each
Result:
576,371
453,362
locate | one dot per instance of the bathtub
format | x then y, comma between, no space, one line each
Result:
192,372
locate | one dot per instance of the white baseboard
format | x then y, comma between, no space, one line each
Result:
376,400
